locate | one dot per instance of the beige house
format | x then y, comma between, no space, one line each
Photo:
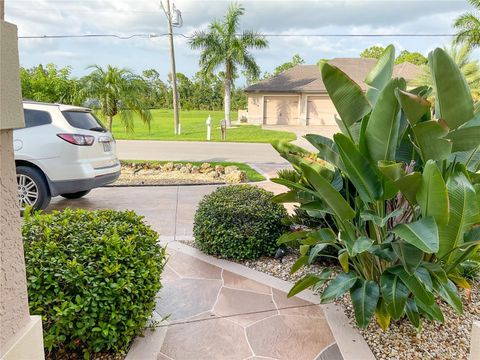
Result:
298,96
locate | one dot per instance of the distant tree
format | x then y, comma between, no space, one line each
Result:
296,60
376,51
470,68
118,91
158,95
468,26
412,57
50,84
222,45
373,52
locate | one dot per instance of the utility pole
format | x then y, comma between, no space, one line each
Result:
168,13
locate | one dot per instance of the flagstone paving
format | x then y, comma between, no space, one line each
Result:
216,314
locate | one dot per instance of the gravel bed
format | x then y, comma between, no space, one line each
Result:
447,341
167,178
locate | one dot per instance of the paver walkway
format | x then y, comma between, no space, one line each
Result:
217,314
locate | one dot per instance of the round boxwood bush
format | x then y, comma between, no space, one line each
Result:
239,222
92,276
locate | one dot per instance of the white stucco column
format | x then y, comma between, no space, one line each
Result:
20,333
303,109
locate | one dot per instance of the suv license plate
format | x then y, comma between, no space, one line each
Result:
107,146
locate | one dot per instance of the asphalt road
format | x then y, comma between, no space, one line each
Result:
253,153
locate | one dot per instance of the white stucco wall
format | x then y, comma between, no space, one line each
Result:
14,313
11,112
20,334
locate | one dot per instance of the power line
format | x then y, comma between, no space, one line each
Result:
127,37
121,37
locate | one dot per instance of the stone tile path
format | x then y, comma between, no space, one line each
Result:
217,314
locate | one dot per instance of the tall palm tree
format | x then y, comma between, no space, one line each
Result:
470,68
222,45
468,26
118,91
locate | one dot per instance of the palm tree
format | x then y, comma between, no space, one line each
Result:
470,68
118,91
468,26
222,45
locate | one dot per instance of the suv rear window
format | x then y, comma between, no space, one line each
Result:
83,120
36,118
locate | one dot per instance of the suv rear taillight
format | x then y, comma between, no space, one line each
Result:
76,139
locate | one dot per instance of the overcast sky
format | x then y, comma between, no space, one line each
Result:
127,17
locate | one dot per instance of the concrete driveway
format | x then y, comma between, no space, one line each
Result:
168,209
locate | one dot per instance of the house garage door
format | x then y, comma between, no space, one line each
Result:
280,110
320,111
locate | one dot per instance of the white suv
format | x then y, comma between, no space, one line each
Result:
63,150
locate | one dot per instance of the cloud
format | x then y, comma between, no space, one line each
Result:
126,17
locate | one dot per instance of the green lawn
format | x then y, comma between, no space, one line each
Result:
252,175
195,129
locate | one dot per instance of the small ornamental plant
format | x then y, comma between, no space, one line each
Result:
92,276
239,222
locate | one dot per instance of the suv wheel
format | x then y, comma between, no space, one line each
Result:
75,195
32,188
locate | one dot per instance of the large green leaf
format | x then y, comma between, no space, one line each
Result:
377,220
432,310
289,151
436,271
430,139
383,125
448,292
360,172
454,99
326,149
395,294
412,313
365,295
414,106
347,96
409,186
410,256
295,185
338,286
432,195
465,138
361,245
414,284
463,212
292,236
422,234
308,281
329,195
380,74
382,315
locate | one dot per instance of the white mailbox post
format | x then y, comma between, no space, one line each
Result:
209,127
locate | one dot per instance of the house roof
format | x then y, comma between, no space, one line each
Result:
307,78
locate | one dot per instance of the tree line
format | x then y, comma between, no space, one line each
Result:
51,83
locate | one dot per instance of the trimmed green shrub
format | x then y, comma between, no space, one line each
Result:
239,222
92,276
